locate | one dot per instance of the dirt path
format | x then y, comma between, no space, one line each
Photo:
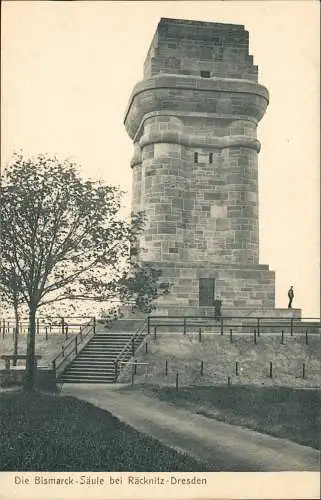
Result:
226,447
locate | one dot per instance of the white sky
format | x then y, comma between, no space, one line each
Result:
68,69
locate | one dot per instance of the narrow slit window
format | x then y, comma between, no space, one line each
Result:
205,74
195,157
210,157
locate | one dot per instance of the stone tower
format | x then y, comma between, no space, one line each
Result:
193,121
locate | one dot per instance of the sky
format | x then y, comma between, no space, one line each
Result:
68,69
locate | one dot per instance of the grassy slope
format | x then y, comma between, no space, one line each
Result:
184,354
52,433
283,412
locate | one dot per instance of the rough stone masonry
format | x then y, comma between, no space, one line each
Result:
193,121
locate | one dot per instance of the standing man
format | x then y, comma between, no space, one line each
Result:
291,296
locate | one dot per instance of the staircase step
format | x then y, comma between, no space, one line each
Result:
95,363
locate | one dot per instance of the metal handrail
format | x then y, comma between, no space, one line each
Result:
222,322
129,346
77,342
44,324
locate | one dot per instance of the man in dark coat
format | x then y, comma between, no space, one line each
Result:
291,296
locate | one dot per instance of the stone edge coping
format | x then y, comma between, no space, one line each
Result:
184,82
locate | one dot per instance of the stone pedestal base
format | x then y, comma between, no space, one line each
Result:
244,291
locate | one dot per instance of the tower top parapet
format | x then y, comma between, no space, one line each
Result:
198,48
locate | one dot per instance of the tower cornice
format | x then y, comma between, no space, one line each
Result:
148,91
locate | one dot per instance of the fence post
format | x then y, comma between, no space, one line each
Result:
236,368
200,334
202,368
271,369
258,327
303,370
254,336
306,337
166,367
291,327
231,336
222,326
184,325
282,337
148,325
177,382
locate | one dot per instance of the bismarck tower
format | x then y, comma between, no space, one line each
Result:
193,121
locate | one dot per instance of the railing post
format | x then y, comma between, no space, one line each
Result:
46,332
176,382
202,368
291,327
76,345
306,337
200,334
135,366
155,327
146,347
63,351
184,325
38,326
54,366
166,367
236,368
271,369
228,381
94,324
148,325
116,370
231,336
222,326
133,347
303,370
62,325
258,327
80,331
282,337
66,331
254,336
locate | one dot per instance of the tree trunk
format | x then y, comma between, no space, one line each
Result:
16,334
30,361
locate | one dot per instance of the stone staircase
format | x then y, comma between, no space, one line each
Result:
96,362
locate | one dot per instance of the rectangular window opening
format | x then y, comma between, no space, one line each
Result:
205,74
